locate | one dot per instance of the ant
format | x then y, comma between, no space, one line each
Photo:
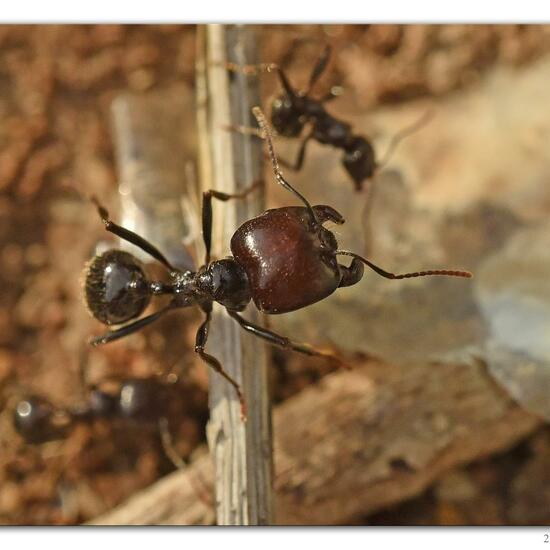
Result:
282,260
293,110
138,400
143,400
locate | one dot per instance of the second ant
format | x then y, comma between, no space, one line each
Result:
292,111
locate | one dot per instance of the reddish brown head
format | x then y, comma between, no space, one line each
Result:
290,264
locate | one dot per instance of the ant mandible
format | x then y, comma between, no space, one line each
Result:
282,260
293,110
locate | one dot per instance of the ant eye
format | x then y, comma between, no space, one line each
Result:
116,288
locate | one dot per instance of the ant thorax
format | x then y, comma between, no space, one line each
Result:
226,282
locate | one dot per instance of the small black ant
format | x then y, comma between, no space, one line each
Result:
142,400
293,110
139,401
282,260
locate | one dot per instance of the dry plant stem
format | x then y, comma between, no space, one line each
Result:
230,162
366,439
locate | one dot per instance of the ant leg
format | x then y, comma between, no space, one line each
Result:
319,68
333,93
167,442
207,211
402,134
317,71
200,343
130,236
246,130
168,445
263,68
113,335
282,341
298,163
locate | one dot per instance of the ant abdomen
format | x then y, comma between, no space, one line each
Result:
359,161
116,287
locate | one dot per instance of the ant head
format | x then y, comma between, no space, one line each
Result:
290,262
32,419
116,287
287,115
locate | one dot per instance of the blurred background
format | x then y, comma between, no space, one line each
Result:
468,190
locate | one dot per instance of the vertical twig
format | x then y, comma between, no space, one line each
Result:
242,452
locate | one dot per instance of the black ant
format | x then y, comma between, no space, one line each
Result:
282,260
293,110
139,401
143,400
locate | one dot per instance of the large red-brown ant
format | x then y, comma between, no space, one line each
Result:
282,260
294,110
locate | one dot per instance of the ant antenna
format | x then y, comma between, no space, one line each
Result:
266,131
404,133
167,442
318,69
388,275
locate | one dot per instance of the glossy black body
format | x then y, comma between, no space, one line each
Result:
293,110
222,281
137,400
283,260
116,288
